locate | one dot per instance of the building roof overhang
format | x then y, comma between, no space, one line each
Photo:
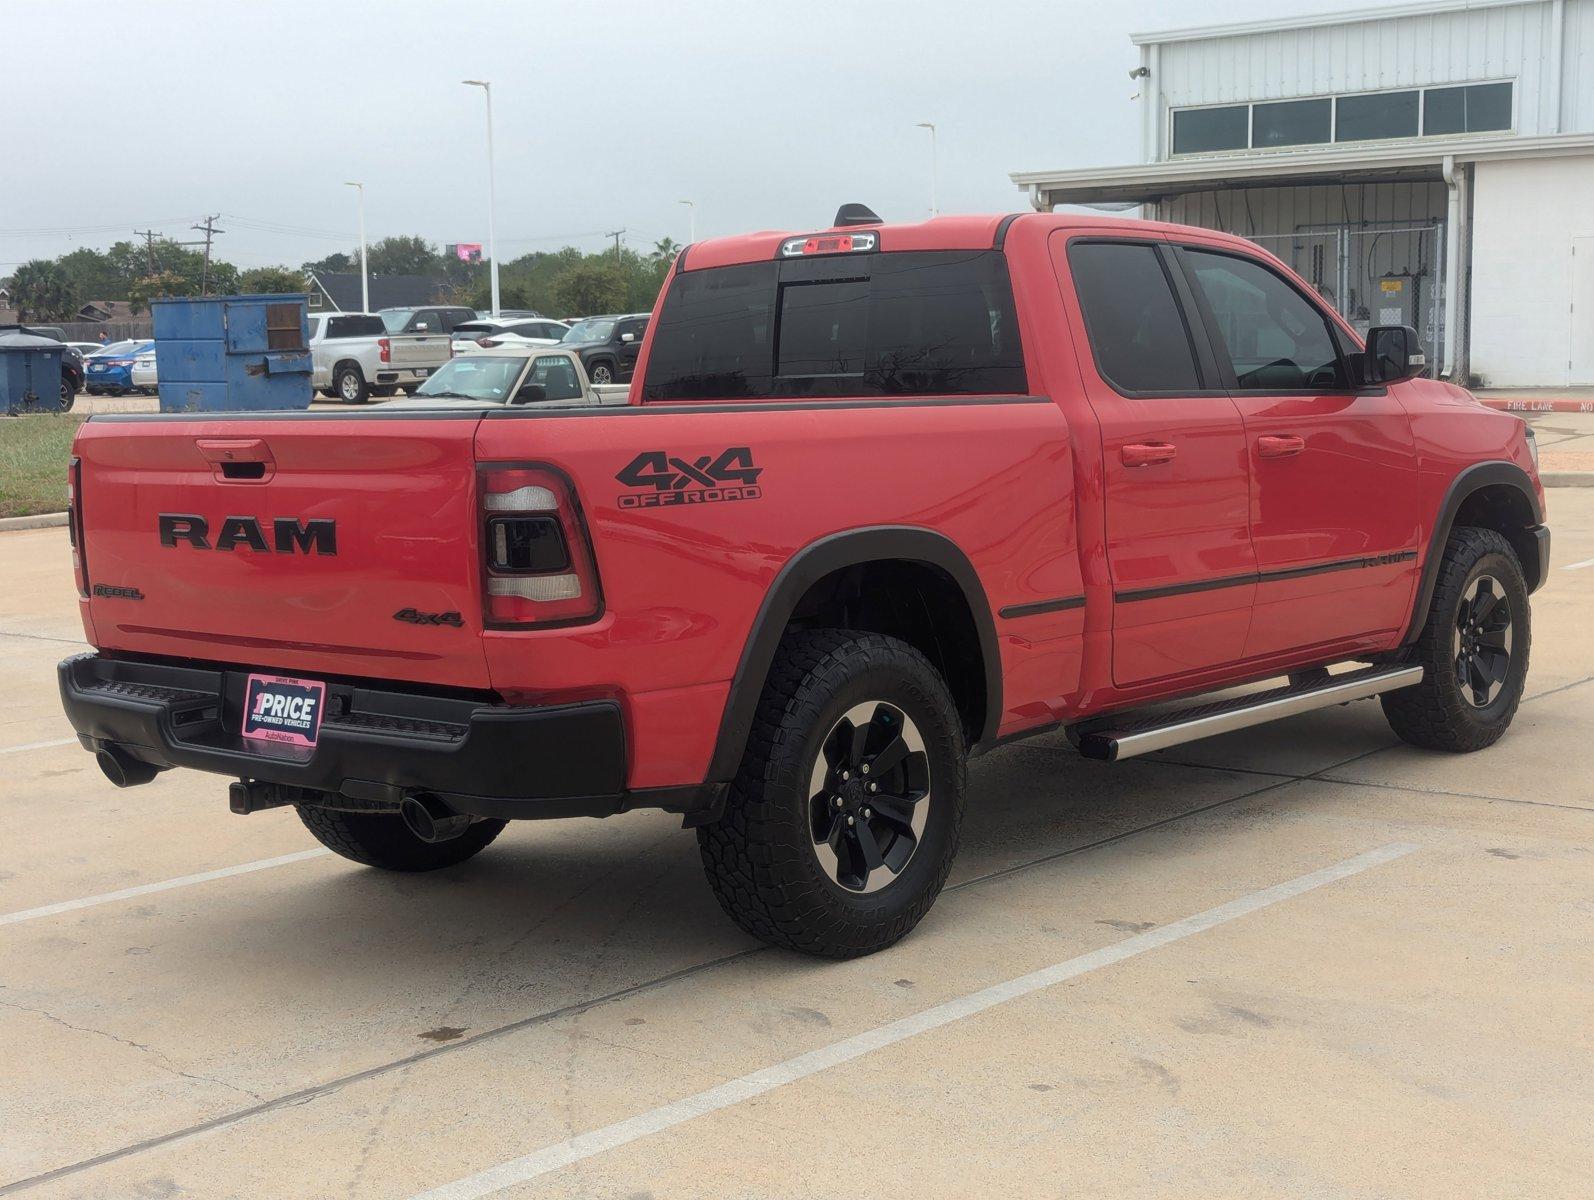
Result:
1141,183
1356,16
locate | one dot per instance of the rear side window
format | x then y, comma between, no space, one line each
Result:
1276,338
905,324
345,327
1136,328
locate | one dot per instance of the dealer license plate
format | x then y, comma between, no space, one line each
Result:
280,709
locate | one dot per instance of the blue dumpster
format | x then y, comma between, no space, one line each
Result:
30,374
232,353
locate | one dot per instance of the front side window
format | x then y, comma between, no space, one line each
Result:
1137,332
556,375
1277,340
905,324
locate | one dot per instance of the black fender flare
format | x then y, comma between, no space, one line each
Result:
1471,479
811,564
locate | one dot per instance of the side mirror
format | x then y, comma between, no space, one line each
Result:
628,337
531,393
421,327
1393,354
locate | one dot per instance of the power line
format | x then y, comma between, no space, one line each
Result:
616,235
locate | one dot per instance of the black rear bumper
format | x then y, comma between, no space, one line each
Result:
375,744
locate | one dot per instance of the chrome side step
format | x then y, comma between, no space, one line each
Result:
1112,739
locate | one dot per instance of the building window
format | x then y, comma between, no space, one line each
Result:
1203,130
1375,116
1360,117
1291,123
1476,108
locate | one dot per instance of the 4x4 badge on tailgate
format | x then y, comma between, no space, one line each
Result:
706,479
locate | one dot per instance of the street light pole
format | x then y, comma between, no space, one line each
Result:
930,125
691,210
365,277
492,192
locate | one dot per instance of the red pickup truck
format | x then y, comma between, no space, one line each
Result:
884,497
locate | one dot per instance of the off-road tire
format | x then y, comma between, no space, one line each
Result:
349,385
1436,714
760,855
383,840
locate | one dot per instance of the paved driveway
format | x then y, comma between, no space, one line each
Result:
1300,961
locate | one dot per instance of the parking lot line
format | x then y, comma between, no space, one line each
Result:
165,885
1578,566
71,741
757,1083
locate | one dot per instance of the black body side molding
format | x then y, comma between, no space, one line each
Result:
802,571
1468,481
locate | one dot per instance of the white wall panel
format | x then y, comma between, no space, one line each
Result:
1525,214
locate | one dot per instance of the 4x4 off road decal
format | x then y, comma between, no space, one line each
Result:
662,479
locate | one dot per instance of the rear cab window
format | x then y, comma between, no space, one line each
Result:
908,323
354,326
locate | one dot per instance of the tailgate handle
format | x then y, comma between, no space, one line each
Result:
238,460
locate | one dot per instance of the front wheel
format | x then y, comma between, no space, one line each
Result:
68,395
843,820
384,840
601,372
1473,648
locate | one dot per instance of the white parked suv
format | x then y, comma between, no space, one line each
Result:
488,332
354,357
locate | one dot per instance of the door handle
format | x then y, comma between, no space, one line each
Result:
1279,445
238,460
1147,454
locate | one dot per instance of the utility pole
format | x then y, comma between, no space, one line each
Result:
691,209
149,241
616,235
209,230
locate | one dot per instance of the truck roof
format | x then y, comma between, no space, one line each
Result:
937,233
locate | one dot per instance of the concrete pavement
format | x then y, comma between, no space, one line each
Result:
1417,1026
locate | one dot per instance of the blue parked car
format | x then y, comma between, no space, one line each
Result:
109,371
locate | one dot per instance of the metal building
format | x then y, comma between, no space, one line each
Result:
1428,163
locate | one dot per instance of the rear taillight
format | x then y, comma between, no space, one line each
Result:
74,523
384,350
536,556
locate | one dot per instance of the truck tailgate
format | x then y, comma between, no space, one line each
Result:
420,349
315,544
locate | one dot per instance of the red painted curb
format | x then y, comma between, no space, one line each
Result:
1553,404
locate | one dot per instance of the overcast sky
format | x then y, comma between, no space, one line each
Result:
766,113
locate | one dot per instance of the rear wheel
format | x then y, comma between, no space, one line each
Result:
350,385
601,372
384,840
68,395
1473,646
843,820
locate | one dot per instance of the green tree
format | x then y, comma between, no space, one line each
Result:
41,291
162,283
92,276
597,284
337,263
406,255
270,281
664,251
